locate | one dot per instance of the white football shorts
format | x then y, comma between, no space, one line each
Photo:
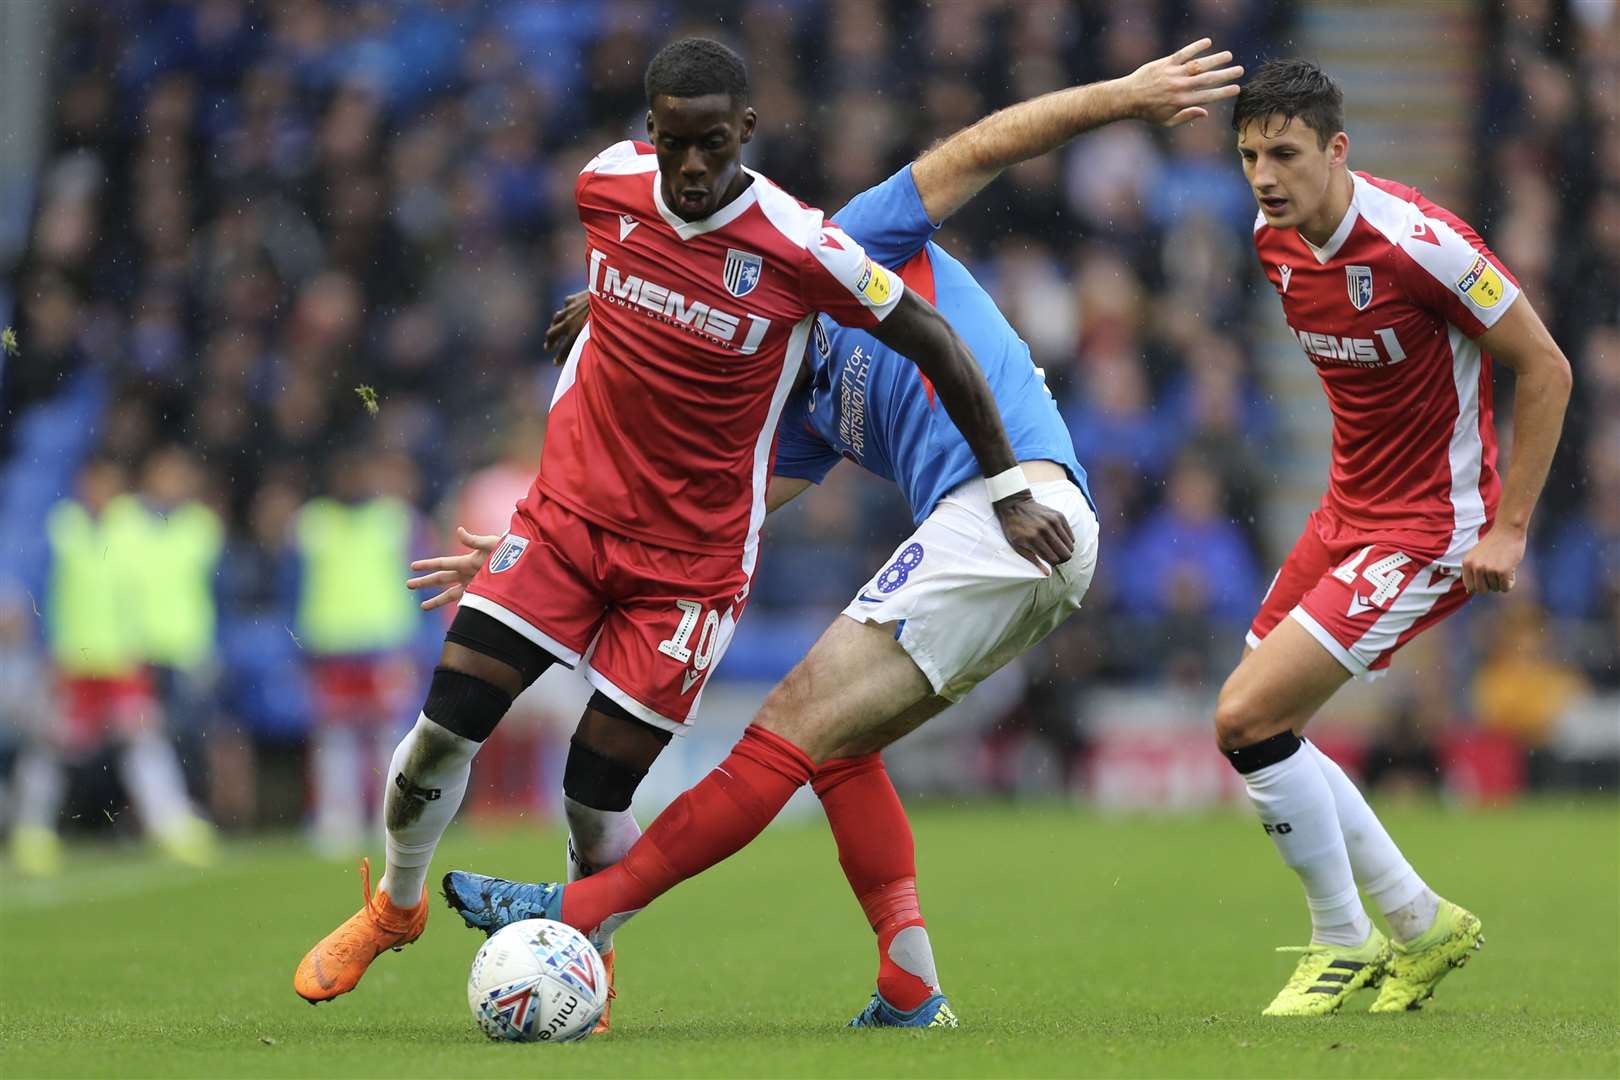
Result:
963,601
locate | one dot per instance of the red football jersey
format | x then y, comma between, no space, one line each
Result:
664,416
1388,311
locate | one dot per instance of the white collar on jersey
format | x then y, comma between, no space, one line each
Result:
720,218
1342,233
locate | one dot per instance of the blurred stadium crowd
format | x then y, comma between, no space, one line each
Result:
289,264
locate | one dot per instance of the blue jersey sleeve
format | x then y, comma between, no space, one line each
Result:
801,454
888,220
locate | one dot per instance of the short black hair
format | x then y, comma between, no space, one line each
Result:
1292,89
693,67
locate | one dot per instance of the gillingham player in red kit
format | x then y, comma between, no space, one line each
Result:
632,554
954,603
1402,309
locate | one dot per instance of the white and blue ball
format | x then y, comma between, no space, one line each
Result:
537,981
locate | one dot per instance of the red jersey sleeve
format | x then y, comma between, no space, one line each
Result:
1451,272
837,276
621,157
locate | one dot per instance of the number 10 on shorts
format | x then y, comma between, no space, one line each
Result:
678,645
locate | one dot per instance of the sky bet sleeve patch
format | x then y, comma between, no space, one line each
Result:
1482,284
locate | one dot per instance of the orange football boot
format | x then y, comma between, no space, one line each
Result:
607,965
334,966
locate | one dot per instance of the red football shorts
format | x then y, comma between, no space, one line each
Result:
362,691
96,709
647,623
1362,595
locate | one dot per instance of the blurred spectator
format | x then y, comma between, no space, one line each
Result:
93,618
26,706
1522,690
1580,565
1052,713
1401,758
1188,558
263,677
176,614
510,771
355,622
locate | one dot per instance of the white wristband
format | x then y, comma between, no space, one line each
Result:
1007,483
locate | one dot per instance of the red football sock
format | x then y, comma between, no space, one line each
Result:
713,820
879,858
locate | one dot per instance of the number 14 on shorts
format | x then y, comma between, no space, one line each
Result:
1385,576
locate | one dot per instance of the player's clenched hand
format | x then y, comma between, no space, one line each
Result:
566,325
453,572
1174,89
1494,563
1038,533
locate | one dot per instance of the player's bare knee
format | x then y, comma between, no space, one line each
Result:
1240,721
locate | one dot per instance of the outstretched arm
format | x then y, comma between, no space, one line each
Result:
1169,91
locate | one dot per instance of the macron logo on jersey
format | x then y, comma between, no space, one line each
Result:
1352,351
669,306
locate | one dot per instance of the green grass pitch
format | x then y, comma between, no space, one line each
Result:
1071,945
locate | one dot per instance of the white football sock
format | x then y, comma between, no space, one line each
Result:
336,777
1381,870
596,840
151,773
1296,804
426,781
41,785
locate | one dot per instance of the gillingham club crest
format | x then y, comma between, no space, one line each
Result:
741,273
506,556
1358,279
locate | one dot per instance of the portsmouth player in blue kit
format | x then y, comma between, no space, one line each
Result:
952,605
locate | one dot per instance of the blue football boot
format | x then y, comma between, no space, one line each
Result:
489,903
934,1013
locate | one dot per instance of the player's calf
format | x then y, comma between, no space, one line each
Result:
878,855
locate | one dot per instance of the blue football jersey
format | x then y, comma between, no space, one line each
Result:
866,402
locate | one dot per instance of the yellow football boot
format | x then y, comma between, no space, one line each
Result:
1417,967
1328,974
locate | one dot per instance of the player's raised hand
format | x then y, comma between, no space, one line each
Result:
1174,89
1038,533
1493,565
566,325
452,573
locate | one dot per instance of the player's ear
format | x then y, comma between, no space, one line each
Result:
749,117
1339,149
652,133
